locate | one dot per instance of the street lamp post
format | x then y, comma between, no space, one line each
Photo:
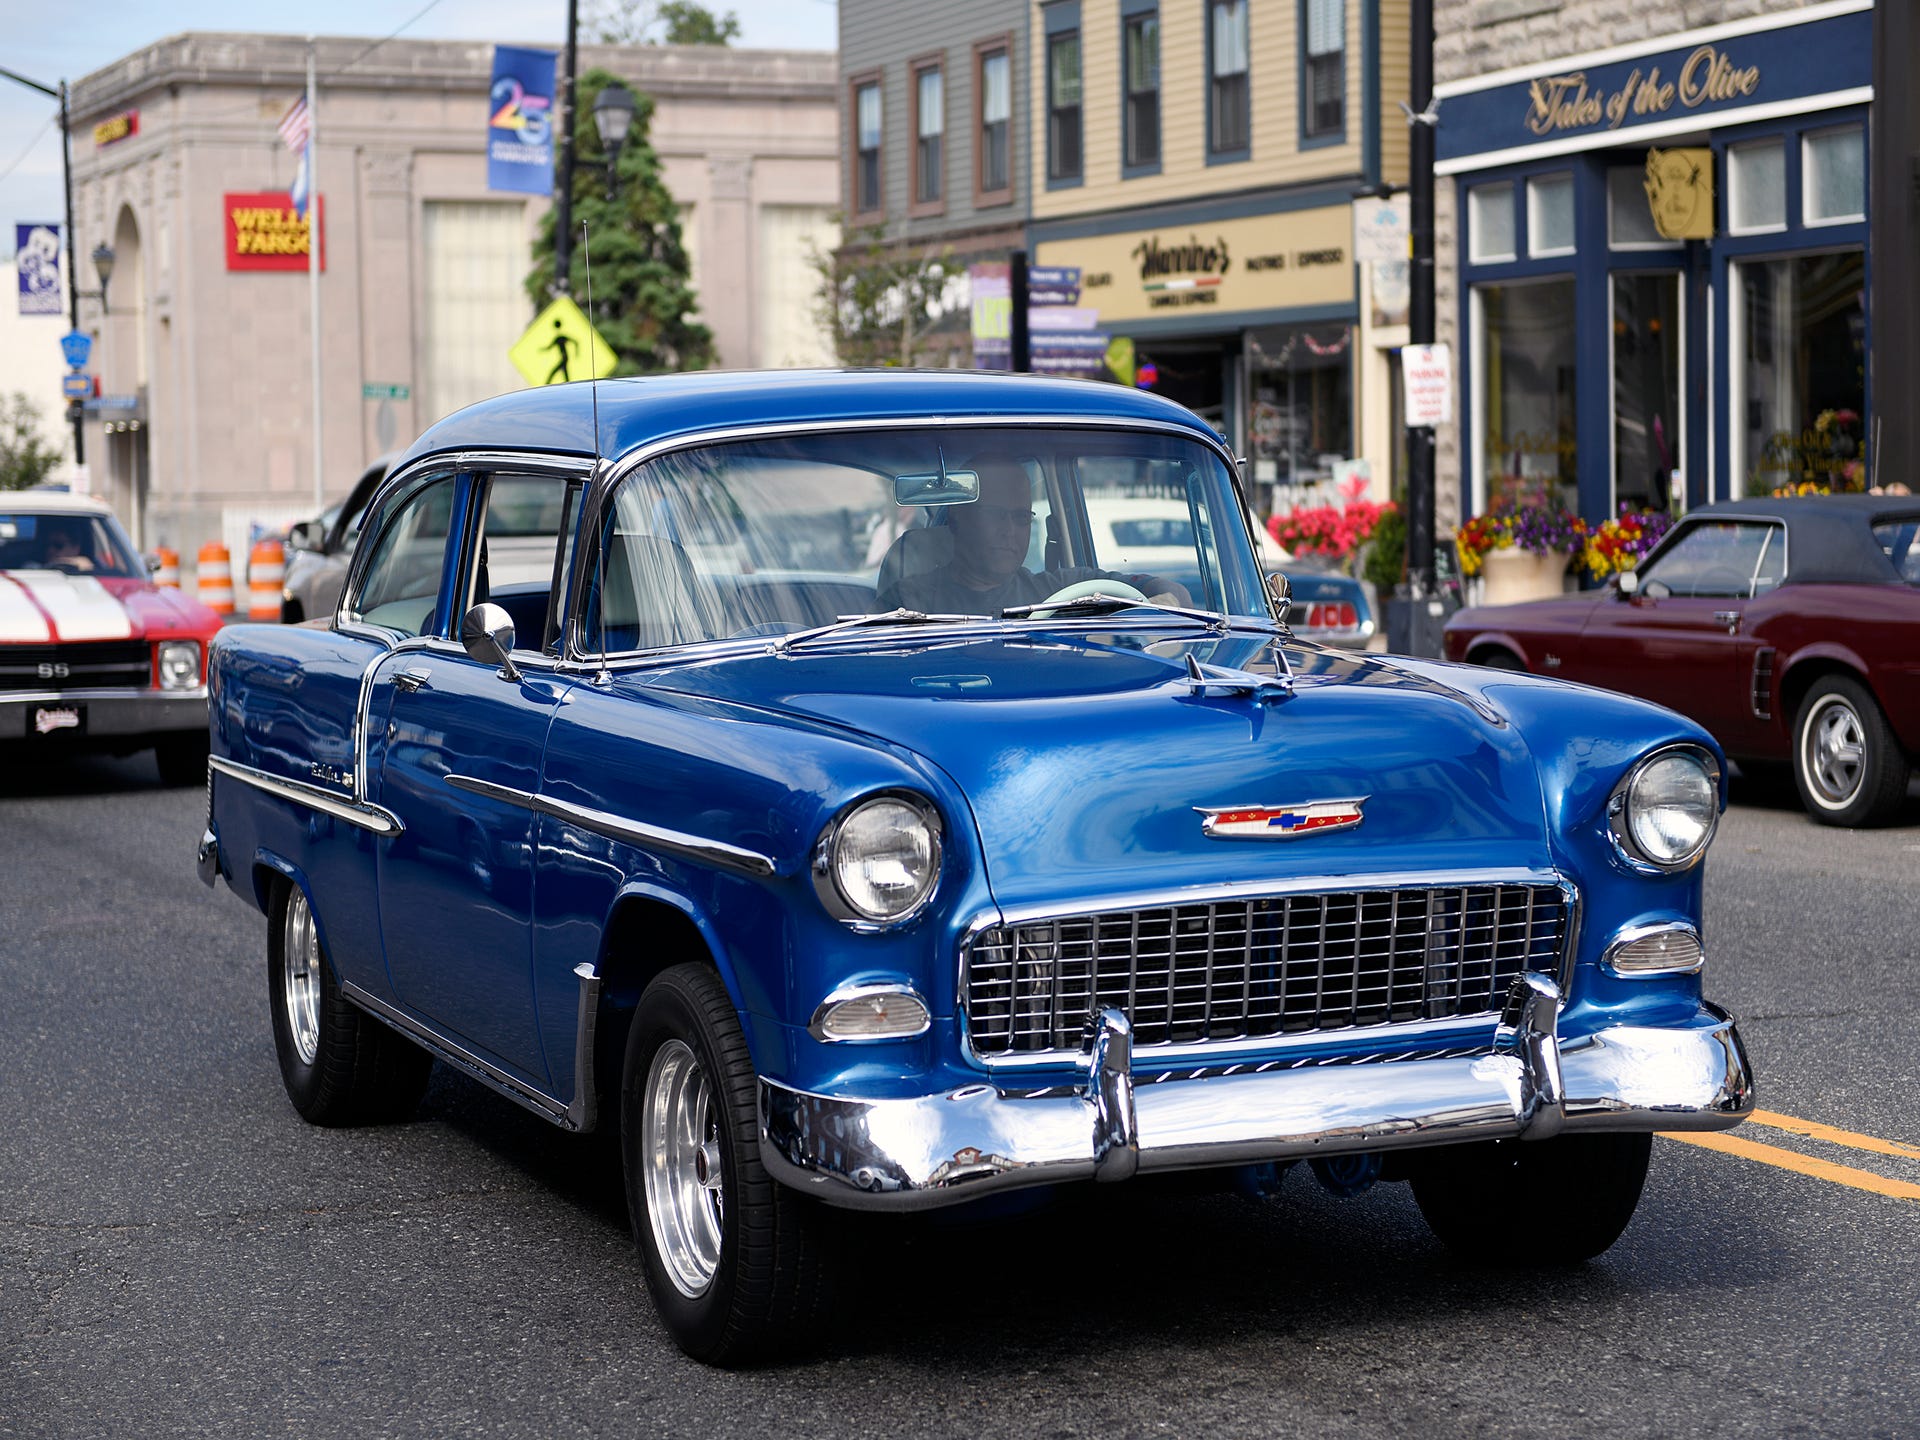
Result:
563,177
613,117
103,267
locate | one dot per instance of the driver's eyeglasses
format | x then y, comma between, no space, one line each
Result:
1004,515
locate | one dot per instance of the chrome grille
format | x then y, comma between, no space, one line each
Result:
81,666
1267,966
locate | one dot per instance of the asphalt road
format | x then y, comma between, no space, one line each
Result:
181,1255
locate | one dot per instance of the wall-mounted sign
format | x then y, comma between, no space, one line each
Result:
117,127
1427,371
263,233
1680,192
1380,233
1262,262
1667,87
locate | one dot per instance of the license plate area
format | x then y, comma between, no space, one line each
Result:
43,720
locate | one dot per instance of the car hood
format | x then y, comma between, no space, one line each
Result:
1086,764
39,606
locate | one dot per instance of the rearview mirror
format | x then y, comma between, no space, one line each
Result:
487,632
940,487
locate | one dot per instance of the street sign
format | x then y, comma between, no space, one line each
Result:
375,391
561,345
76,385
1428,371
77,347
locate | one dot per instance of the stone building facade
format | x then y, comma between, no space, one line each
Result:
204,425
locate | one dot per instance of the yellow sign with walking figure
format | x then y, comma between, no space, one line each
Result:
561,345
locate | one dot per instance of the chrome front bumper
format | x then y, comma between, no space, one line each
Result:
936,1150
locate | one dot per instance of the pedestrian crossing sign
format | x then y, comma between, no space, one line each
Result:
561,345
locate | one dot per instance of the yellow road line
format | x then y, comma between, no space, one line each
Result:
1800,1164
1814,1130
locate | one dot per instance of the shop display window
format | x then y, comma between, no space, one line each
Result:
1647,449
1524,351
1800,373
1302,389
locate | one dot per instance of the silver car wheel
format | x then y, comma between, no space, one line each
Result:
686,1198
301,979
1833,752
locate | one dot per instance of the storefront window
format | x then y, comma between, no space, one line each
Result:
1835,166
1550,215
1302,388
1800,348
1490,223
1525,387
1629,216
1646,389
1757,187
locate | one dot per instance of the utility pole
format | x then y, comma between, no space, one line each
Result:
1420,310
73,274
1019,336
563,179
313,276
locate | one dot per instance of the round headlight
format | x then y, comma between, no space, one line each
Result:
883,858
179,665
1671,805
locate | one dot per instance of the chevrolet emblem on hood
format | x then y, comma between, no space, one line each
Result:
1280,822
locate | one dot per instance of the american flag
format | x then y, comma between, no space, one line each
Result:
296,125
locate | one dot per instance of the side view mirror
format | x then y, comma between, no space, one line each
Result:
1281,589
302,537
487,633
152,560
1627,583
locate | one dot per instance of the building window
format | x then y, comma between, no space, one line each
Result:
1063,105
1143,91
1799,329
993,180
1301,385
1833,167
1550,215
1325,90
1630,214
1523,350
1228,96
929,135
866,159
1757,187
1647,448
1490,223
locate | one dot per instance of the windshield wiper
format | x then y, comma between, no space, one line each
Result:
1108,604
901,616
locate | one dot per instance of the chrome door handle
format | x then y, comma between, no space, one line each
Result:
1728,618
411,679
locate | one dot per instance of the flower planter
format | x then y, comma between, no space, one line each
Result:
1514,574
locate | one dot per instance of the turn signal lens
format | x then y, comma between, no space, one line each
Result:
1668,951
877,1015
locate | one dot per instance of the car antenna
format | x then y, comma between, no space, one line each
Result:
603,676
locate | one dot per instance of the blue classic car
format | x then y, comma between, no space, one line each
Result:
778,768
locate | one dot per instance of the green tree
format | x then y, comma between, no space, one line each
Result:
642,299
677,22
879,300
24,459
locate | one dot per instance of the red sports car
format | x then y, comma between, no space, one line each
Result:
1788,628
92,653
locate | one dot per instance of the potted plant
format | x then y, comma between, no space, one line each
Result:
1521,549
1617,544
1336,531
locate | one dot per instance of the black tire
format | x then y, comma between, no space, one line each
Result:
1533,1202
736,1264
1847,765
339,1064
1498,659
181,759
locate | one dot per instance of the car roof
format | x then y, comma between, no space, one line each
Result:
1830,538
52,502
559,419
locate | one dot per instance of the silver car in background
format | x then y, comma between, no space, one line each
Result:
319,550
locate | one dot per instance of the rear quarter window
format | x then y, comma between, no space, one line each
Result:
1900,539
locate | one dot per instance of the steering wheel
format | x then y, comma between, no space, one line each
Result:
1081,588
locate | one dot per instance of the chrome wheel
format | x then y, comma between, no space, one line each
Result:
685,1171
300,989
1833,752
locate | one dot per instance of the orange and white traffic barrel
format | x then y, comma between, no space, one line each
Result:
215,575
167,572
266,568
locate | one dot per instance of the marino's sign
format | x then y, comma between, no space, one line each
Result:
1708,79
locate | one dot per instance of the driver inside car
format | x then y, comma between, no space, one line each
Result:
975,562
60,549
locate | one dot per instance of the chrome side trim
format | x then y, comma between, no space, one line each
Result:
492,1076
950,1147
615,827
341,807
583,1111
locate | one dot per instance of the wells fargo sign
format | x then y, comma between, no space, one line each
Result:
117,127
263,233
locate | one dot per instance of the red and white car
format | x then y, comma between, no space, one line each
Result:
92,652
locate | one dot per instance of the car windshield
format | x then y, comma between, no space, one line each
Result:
78,543
780,535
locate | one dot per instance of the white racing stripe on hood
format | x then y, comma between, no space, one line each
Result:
20,619
80,606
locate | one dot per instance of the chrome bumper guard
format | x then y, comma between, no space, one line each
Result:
929,1151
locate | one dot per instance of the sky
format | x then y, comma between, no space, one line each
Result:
50,43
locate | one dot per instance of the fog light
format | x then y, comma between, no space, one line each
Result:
179,665
1656,950
870,1013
